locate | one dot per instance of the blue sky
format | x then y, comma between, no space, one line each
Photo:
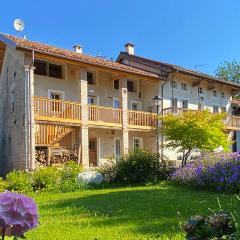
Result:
183,32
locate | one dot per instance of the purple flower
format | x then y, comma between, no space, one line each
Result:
18,214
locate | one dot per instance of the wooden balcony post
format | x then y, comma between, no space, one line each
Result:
84,140
124,106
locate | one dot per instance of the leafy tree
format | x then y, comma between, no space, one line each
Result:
194,130
229,71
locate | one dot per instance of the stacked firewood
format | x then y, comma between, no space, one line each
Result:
58,155
41,156
62,155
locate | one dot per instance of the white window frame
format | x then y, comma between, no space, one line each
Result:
187,87
140,139
171,102
223,95
201,93
172,83
215,91
217,108
115,148
184,99
137,102
50,91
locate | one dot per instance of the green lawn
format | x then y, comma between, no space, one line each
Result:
121,213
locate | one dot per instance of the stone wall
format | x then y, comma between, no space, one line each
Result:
12,109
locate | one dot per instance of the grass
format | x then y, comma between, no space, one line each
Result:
122,213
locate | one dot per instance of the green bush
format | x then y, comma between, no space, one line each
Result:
19,181
139,166
68,175
219,225
3,185
46,178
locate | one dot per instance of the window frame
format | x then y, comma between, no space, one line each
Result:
140,139
202,90
95,77
136,102
215,93
117,157
114,84
184,90
182,100
216,106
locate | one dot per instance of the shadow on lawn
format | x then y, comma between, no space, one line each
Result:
148,211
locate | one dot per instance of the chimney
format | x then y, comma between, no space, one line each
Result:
78,48
129,48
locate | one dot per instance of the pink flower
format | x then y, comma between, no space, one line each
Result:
18,214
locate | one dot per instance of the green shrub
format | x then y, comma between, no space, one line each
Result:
68,175
219,225
19,181
3,185
139,166
46,178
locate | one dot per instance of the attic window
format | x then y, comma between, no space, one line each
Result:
41,67
48,69
55,71
116,84
91,78
130,86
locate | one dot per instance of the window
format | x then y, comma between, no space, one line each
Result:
116,103
215,109
223,109
116,84
135,106
174,102
56,95
92,100
130,86
200,106
91,78
40,67
223,95
185,104
117,148
215,94
55,71
200,90
48,69
174,84
137,143
184,87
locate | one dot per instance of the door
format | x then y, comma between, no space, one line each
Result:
93,152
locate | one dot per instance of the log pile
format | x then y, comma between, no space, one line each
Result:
58,155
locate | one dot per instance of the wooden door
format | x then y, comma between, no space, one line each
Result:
93,152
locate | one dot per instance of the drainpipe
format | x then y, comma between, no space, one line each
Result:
170,77
28,117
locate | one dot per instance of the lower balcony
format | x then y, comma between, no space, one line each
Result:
70,113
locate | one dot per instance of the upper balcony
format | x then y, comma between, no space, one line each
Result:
69,113
231,122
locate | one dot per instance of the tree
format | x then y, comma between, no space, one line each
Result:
229,71
194,130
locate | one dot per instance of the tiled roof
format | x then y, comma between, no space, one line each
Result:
79,57
167,67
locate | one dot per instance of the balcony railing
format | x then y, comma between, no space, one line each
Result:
142,119
230,121
56,110
104,115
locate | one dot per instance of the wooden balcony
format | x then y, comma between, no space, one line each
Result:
69,113
139,119
231,122
57,110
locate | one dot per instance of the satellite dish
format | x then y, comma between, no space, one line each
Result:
18,25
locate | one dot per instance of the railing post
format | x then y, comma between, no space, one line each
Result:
83,133
124,106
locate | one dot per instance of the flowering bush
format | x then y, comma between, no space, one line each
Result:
218,170
18,214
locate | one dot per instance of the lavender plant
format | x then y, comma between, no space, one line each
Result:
218,170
